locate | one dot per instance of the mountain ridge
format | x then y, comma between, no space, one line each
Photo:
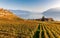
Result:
53,12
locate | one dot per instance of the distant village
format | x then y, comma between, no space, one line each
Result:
43,19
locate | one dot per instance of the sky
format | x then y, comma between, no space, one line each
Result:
35,7
29,5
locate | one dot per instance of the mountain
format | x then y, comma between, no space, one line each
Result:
7,15
21,13
50,13
53,13
27,14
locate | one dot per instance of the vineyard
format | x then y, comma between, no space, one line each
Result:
29,29
15,29
49,30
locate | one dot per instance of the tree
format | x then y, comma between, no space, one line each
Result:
42,18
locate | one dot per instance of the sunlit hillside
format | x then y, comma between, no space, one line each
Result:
6,14
12,26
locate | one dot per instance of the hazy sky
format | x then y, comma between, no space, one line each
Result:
29,5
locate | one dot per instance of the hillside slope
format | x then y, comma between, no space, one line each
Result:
11,26
7,15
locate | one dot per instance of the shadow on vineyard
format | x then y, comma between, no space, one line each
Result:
37,32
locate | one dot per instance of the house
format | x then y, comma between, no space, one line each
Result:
47,19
